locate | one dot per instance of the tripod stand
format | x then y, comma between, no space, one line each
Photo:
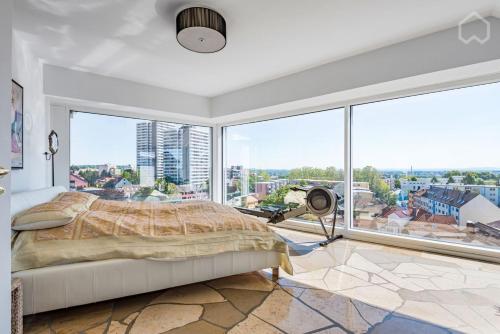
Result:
329,237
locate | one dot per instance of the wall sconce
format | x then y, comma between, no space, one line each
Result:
3,172
53,149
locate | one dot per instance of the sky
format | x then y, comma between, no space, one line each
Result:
314,140
453,129
97,139
101,139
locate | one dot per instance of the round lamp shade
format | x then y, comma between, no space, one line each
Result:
201,30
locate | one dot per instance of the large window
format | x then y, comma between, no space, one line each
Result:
263,160
428,166
132,159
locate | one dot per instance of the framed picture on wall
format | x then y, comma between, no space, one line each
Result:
16,128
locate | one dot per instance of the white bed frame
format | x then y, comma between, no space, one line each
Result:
56,287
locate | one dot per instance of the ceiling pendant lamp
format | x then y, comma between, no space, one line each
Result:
201,30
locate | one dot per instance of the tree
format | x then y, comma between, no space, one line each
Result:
329,173
104,173
397,184
109,185
131,175
277,197
452,173
391,199
252,179
469,178
207,186
374,178
413,178
163,185
434,180
450,180
237,184
90,176
144,192
265,176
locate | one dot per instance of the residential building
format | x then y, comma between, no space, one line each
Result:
265,187
77,182
196,163
106,169
182,154
491,193
117,183
421,183
390,181
172,156
151,149
145,154
102,181
281,182
235,172
238,174
397,219
463,206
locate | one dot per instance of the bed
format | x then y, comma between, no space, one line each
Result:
48,286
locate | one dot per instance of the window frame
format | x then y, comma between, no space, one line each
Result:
293,223
418,244
149,118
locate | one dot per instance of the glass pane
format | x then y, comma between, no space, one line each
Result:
123,158
428,166
263,160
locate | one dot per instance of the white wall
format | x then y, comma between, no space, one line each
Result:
5,93
67,83
27,71
432,53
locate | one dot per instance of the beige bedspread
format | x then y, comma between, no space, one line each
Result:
137,230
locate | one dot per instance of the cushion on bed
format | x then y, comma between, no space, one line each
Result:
58,212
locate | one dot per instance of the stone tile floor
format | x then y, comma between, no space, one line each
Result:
348,287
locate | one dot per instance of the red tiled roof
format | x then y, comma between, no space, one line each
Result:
77,177
386,212
436,219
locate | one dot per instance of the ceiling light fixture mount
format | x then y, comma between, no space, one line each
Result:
201,30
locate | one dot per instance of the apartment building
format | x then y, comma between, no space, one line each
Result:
195,149
464,206
179,153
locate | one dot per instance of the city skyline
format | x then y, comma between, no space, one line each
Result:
442,136
180,153
120,149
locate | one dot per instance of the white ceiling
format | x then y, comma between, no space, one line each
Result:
135,39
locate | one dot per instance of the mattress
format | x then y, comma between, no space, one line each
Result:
56,287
